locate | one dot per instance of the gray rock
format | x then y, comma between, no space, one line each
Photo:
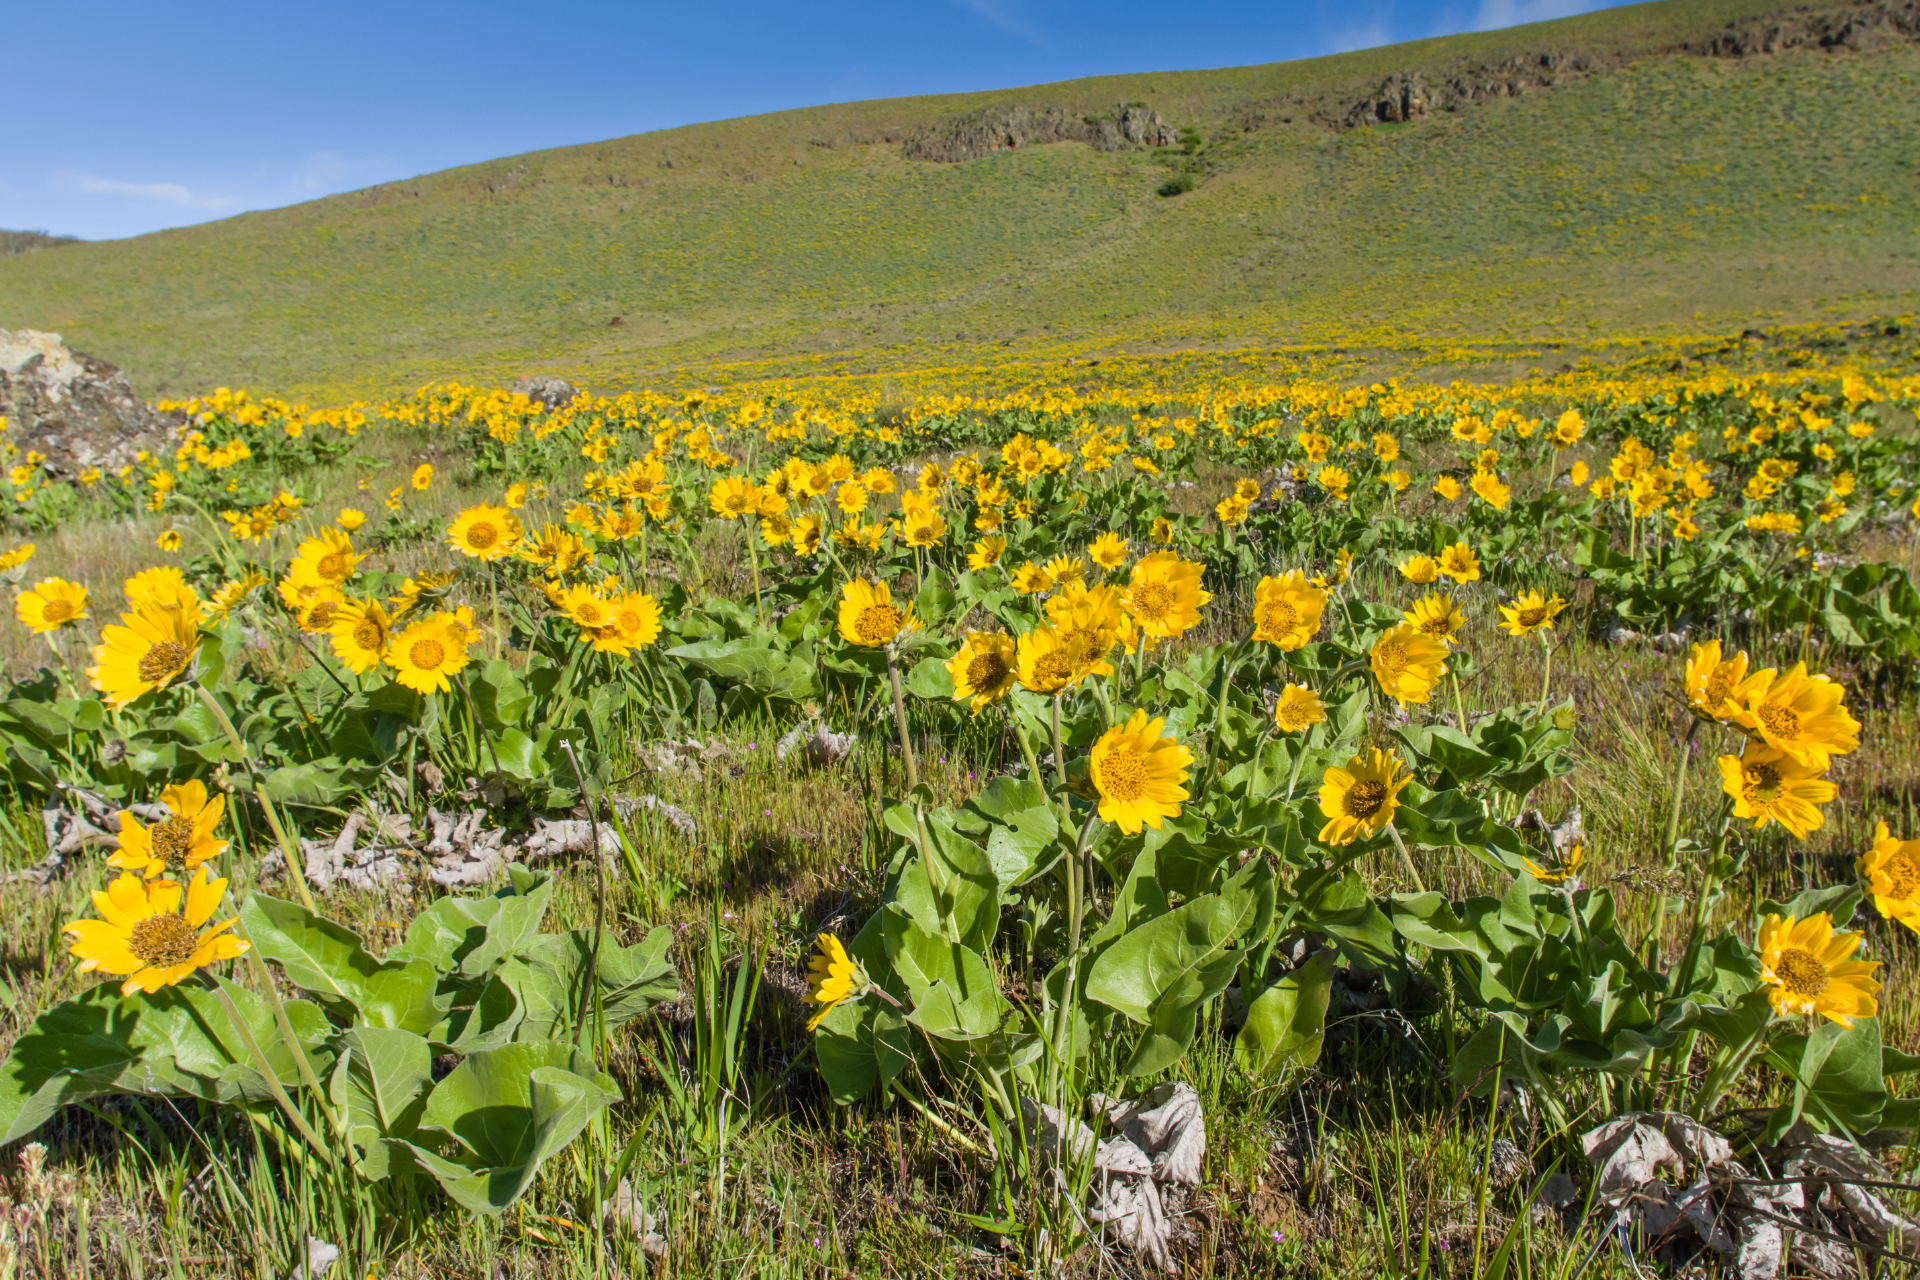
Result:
77,411
554,393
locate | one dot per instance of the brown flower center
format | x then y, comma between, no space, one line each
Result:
427,653
1763,783
1781,721
1279,618
163,662
332,566
368,634
56,611
987,671
1152,601
1719,684
1532,615
482,535
1123,774
1052,670
1364,799
163,941
1801,972
877,624
588,613
1903,877
321,615
172,838
1391,657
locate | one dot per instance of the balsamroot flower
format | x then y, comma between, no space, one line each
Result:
179,842
426,655
52,604
868,617
1435,617
153,648
1771,786
1138,772
1287,610
1360,799
1711,679
1298,709
1799,714
144,936
1529,613
1164,595
484,533
984,670
1804,966
832,976
1408,663
1891,870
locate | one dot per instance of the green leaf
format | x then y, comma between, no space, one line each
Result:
317,783
953,990
859,1044
930,679
471,935
379,1084
1287,1023
330,961
1019,823
506,1111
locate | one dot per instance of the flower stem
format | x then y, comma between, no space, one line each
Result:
1679,788
296,869
267,1073
1407,858
1546,676
1059,750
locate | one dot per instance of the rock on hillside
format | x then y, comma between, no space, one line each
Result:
991,129
77,411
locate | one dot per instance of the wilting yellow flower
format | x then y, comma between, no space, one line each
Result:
1771,786
484,533
1164,597
143,936
868,616
427,654
1459,563
1232,511
17,557
1138,771
52,604
1891,870
179,842
1298,709
1360,799
153,648
1577,474
1711,679
1162,530
1420,570
422,476
1561,871
1802,715
1287,610
1065,569
1804,966
350,518
1435,616
231,595
1031,579
168,540
1530,612
1109,551
1407,663
986,553
832,976
315,614
984,669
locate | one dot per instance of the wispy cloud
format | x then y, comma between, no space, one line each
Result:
997,14
1359,35
1512,13
166,192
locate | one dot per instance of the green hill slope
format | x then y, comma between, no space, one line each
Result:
1617,173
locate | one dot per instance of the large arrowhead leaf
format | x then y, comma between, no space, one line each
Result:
954,994
1287,1023
471,935
506,1111
380,1083
330,961
550,979
860,1044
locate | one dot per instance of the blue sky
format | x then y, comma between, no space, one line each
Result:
130,117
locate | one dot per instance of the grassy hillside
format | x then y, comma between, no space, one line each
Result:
1651,187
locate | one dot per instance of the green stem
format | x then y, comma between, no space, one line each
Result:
267,1073
296,866
753,555
1679,788
1407,859
1306,745
1059,750
1546,676
1063,1016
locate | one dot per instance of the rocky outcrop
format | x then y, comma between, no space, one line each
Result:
982,133
74,410
554,393
1408,95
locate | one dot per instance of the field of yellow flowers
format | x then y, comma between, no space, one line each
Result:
1169,825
